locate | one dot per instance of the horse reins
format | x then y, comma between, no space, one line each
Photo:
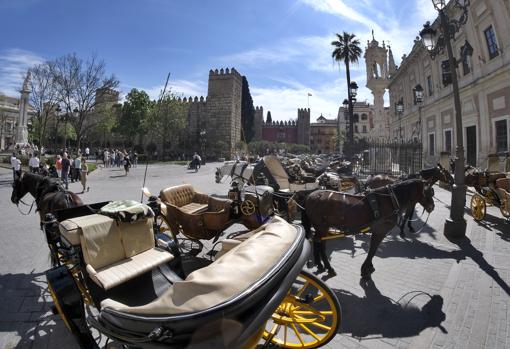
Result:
24,203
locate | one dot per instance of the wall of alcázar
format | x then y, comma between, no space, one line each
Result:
219,114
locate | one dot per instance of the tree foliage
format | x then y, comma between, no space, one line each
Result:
134,113
77,82
269,119
166,122
247,112
44,98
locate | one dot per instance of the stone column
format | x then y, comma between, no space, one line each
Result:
22,129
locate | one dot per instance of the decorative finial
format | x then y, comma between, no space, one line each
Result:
26,82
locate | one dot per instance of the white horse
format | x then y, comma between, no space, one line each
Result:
240,171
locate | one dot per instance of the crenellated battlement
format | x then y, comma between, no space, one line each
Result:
257,108
222,73
193,100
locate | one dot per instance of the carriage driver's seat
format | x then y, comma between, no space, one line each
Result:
199,215
114,252
280,178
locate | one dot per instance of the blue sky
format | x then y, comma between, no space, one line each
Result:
282,46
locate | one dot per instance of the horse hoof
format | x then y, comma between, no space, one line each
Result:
309,264
320,270
331,272
402,235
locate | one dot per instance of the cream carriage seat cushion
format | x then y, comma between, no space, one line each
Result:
116,252
230,275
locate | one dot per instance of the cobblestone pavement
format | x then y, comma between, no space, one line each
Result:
427,292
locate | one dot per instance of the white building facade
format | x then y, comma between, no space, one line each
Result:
484,82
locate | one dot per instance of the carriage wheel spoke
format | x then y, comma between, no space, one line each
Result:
297,333
300,292
318,298
319,325
310,332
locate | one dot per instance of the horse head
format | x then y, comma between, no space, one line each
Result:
18,188
218,175
426,199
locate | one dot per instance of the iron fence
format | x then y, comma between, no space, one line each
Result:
392,158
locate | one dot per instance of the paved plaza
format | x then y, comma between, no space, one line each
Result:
427,292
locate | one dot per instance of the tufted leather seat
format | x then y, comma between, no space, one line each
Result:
115,252
195,214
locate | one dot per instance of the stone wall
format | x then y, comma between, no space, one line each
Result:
303,125
258,121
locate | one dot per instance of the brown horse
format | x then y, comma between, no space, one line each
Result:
431,175
48,193
378,211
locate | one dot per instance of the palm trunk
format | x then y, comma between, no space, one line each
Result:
350,135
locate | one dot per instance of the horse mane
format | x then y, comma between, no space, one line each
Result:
405,189
40,185
429,173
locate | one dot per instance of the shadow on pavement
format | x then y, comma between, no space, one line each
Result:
470,251
26,312
376,315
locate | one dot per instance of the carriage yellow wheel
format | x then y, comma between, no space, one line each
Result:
308,317
478,207
59,307
247,208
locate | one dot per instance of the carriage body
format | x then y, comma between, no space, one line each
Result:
493,190
135,311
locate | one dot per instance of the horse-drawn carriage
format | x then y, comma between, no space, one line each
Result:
491,189
147,293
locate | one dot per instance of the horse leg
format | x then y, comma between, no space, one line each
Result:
317,256
401,224
367,268
325,259
409,217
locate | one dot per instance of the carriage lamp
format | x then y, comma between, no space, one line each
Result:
436,41
400,107
345,104
353,89
418,94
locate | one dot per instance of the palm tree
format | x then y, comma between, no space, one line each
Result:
347,49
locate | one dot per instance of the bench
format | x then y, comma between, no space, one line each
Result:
114,252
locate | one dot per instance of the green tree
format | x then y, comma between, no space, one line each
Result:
347,50
77,82
134,112
166,122
247,112
269,119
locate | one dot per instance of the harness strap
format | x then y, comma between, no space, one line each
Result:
374,205
394,199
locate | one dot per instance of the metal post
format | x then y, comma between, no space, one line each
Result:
455,226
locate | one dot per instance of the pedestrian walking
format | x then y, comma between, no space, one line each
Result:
66,168
135,159
77,168
15,164
33,163
87,153
58,166
83,174
127,163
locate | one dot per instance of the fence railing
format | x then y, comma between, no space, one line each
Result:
392,158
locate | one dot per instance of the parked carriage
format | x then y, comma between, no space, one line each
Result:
497,195
149,294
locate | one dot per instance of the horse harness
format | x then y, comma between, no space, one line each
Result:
243,168
371,197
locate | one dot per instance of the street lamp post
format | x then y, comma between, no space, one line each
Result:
400,112
353,91
202,143
418,99
455,226
345,105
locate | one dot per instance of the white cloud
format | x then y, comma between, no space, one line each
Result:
14,64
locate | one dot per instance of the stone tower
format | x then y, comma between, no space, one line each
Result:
224,107
303,126
258,121
378,78
22,128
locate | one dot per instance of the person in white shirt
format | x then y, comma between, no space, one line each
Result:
87,152
16,165
33,164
